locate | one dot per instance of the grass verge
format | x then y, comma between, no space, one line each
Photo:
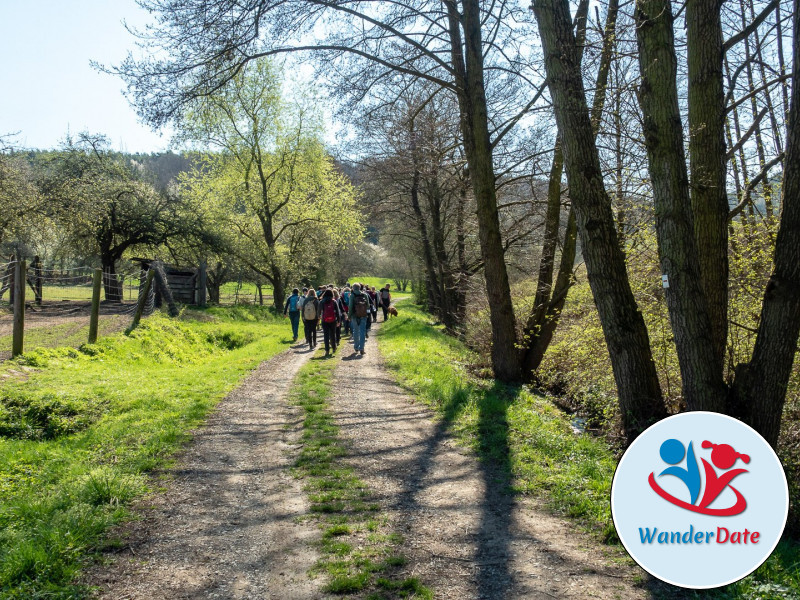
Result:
532,441
79,429
359,550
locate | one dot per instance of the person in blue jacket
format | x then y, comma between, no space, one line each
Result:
292,307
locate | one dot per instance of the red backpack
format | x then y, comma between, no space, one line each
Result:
329,312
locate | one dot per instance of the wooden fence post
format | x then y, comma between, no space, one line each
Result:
20,274
137,314
94,317
13,283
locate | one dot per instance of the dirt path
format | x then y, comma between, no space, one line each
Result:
230,523
463,537
227,527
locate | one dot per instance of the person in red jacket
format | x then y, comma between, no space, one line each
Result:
331,317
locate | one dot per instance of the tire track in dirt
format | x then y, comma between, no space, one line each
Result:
228,525
463,536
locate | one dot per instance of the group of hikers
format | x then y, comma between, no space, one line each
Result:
353,308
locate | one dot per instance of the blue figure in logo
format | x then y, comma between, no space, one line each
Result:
672,452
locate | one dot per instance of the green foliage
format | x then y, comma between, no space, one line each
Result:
271,189
86,426
357,547
104,203
576,368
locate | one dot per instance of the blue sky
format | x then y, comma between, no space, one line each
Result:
47,87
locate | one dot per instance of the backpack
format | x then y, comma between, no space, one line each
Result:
293,300
360,304
309,311
329,312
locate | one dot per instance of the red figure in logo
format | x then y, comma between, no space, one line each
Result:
723,456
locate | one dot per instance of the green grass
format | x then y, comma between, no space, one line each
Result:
531,441
79,430
359,552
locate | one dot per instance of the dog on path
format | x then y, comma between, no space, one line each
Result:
393,311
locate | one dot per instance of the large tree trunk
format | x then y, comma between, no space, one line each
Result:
760,387
707,163
278,288
468,67
112,286
216,277
701,372
625,332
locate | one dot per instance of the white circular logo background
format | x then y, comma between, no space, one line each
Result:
699,500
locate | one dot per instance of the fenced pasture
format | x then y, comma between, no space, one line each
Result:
58,303
46,307
63,323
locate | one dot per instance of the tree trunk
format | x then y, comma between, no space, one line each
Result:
760,387
112,286
461,254
278,288
709,199
544,282
216,278
555,305
623,326
431,282
548,303
766,186
701,372
478,149
447,313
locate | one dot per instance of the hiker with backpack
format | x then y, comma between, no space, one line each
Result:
346,303
292,307
385,298
311,318
331,317
343,312
358,311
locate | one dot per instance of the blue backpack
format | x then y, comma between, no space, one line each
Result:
293,303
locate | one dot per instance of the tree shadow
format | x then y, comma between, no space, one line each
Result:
493,537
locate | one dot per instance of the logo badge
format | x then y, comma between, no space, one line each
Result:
699,500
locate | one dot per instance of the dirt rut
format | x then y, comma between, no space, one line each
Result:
227,526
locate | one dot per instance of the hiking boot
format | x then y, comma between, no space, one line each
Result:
362,353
